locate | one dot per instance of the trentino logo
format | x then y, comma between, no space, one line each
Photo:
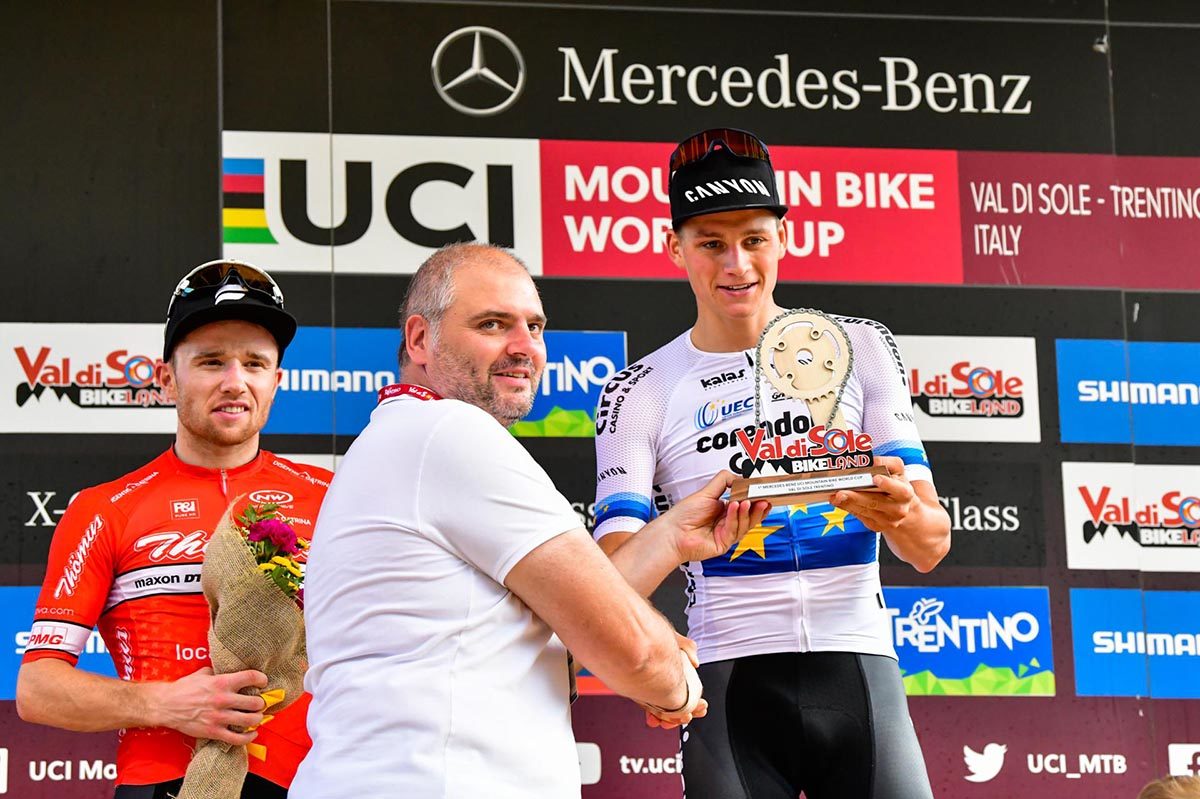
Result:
973,641
244,214
1136,643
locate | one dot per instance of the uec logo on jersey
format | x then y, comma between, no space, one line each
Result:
715,411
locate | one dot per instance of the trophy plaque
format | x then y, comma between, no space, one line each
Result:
806,355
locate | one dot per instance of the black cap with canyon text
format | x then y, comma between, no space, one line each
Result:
231,299
723,181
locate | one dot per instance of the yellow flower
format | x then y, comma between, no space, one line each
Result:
288,564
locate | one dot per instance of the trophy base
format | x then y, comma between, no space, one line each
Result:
806,488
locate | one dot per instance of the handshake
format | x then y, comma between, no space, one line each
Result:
701,526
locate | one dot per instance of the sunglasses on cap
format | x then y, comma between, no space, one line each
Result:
217,273
737,142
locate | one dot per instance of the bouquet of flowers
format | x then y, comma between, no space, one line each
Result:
254,587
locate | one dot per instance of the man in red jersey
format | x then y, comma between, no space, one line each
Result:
126,555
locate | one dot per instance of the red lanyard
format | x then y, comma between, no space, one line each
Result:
407,390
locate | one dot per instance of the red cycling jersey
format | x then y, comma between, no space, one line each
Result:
126,557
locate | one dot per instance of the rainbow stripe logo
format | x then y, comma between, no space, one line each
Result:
243,213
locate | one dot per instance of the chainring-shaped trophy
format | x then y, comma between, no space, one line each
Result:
806,355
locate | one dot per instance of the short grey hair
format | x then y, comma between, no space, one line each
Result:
431,291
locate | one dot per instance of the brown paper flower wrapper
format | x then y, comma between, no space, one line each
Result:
254,626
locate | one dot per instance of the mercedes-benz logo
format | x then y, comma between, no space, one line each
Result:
480,72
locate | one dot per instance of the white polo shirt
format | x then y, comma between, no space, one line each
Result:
429,678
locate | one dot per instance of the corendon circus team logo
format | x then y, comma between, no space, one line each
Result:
969,390
122,380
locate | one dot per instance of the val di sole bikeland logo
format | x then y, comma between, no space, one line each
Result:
78,378
973,388
478,71
1128,516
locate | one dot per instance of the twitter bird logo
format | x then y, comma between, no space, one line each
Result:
984,765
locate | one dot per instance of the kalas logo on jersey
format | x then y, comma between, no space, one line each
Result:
973,641
717,411
121,380
968,390
393,199
722,378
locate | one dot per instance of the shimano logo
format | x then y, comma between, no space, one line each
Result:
355,381
1127,393
926,630
1138,642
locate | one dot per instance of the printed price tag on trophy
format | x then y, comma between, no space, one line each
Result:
806,355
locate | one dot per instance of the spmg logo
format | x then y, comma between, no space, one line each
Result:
394,199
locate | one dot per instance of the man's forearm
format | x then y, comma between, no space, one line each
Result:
54,693
645,558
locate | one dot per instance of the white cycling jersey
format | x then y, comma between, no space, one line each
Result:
808,578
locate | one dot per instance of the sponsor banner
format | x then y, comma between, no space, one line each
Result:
307,202
1136,643
1118,392
82,378
316,397
995,514
1132,517
853,212
38,762
17,604
973,388
973,641
1071,220
1068,748
1184,759
576,72
622,756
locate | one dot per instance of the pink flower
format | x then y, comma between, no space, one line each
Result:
275,532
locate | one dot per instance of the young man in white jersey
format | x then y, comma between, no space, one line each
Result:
798,666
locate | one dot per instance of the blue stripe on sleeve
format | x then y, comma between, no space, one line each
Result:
911,452
625,503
